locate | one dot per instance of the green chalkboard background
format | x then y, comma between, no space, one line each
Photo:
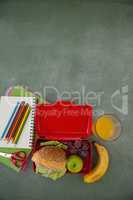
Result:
71,45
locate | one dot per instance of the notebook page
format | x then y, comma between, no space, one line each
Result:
7,104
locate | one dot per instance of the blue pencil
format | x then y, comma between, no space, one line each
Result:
10,120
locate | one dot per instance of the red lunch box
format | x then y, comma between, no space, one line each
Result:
64,121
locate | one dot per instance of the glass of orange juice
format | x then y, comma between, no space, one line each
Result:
107,127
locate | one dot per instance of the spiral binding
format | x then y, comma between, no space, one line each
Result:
31,140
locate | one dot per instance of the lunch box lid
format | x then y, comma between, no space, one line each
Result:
63,120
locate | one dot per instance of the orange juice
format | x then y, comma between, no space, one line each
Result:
107,127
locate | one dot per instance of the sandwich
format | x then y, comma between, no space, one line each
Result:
50,160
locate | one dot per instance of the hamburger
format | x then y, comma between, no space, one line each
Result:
50,161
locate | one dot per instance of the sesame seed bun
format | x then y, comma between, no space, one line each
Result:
51,157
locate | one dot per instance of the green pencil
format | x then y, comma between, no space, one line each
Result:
18,134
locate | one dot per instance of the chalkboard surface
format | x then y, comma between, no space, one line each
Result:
77,48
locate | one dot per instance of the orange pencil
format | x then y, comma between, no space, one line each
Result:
19,131
15,122
15,118
19,121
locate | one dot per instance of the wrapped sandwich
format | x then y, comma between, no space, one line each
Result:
50,160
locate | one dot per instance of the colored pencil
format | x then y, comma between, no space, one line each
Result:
19,121
14,123
18,134
10,120
14,120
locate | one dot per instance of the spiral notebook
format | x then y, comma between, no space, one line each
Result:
25,142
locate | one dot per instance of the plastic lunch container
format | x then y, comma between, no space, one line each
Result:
63,121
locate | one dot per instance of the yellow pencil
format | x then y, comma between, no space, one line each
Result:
19,131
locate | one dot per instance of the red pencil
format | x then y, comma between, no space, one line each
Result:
14,123
19,121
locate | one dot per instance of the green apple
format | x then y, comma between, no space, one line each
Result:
74,164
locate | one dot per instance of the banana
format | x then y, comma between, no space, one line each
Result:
98,172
